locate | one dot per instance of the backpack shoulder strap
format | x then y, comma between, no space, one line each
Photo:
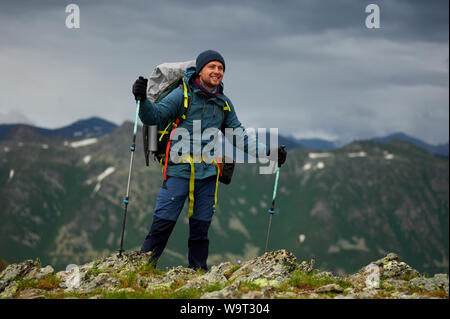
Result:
226,108
187,99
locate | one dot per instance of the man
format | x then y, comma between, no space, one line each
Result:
208,106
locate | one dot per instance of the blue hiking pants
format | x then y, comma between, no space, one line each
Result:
169,203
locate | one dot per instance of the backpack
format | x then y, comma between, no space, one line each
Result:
163,80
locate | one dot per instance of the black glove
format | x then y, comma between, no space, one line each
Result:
140,89
282,154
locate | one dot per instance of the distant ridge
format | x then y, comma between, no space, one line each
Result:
91,127
440,150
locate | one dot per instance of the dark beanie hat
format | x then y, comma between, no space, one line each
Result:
207,56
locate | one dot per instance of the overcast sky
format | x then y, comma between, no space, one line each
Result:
310,68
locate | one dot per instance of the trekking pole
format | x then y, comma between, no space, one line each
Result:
272,208
132,148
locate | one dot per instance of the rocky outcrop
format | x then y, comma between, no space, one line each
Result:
438,282
272,268
269,270
275,274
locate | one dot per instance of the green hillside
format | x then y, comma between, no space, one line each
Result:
63,204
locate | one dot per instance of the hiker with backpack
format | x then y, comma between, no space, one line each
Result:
197,97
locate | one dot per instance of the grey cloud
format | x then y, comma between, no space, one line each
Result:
14,116
307,67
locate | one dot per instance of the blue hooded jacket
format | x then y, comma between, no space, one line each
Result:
205,107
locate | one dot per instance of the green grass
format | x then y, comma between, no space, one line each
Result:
128,280
231,271
247,286
93,272
26,284
47,282
164,293
307,281
150,270
127,295
189,293
140,293
215,287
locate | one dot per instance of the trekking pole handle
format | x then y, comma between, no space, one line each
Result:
138,105
276,184
272,208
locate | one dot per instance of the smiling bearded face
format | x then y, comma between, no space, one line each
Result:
211,75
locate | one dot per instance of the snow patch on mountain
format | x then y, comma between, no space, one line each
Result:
82,143
388,156
319,155
87,159
308,166
357,154
101,177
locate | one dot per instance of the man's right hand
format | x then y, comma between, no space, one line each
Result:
140,89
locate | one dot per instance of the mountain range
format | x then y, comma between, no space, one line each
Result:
62,201
96,127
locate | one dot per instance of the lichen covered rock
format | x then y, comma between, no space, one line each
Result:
26,270
388,269
272,268
275,274
391,267
15,270
216,275
439,281
174,277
